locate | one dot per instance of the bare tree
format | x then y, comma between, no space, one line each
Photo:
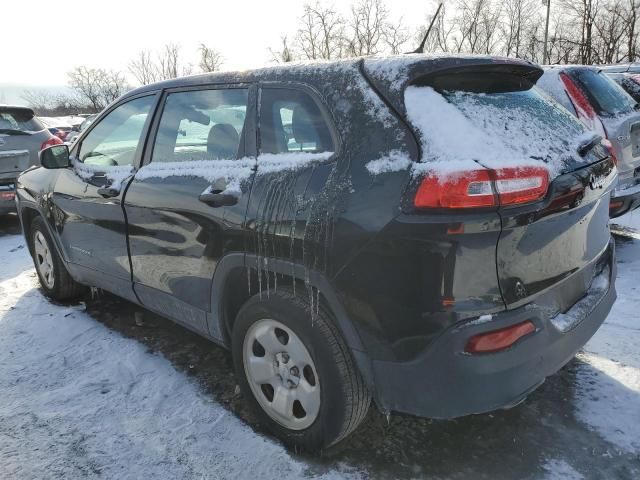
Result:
170,63
395,37
144,69
367,27
285,54
322,33
210,59
97,86
517,19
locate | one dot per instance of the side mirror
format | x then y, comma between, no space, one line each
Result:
56,156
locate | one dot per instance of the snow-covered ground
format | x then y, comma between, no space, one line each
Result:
79,399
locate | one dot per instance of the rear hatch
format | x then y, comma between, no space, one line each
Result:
21,135
516,152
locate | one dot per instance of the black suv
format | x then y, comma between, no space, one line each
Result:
429,233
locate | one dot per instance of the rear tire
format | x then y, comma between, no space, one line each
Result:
53,275
324,376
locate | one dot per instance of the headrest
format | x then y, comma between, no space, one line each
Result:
304,126
223,141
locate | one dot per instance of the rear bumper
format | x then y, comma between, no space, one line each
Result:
445,382
624,200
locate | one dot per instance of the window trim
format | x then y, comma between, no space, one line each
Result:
248,148
75,150
315,97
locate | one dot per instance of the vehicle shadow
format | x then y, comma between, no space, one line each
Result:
509,444
9,225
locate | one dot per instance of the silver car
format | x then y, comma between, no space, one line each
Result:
22,136
605,108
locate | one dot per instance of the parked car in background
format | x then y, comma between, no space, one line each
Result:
620,68
75,133
429,233
63,127
22,136
630,82
604,107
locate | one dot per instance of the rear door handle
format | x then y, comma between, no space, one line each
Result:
218,199
108,192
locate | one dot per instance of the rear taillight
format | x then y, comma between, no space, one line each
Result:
611,150
498,340
50,142
483,188
583,107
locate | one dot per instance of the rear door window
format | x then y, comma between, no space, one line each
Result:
608,98
19,120
291,121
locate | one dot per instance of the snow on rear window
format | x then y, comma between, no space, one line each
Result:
510,129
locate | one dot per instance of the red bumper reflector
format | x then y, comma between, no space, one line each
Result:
7,195
499,339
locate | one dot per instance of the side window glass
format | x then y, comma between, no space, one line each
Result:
113,142
201,125
290,121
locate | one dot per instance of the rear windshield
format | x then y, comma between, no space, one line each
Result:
631,86
608,97
19,120
516,127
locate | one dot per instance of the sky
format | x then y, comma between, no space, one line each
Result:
52,38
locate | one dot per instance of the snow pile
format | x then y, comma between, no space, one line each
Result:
79,400
599,286
115,174
233,171
491,129
394,161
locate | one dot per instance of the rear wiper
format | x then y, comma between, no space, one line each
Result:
585,147
11,131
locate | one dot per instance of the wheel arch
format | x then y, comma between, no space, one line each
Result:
235,281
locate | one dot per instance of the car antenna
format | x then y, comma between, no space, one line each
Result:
420,49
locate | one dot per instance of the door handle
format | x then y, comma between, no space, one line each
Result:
108,192
218,199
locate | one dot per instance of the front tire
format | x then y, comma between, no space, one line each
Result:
297,373
54,278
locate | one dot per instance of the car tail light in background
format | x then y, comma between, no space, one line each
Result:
583,107
497,340
483,188
50,142
7,195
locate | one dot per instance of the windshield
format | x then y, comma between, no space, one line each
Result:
607,96
498,129
19,120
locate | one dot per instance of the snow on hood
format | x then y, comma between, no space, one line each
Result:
471,128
